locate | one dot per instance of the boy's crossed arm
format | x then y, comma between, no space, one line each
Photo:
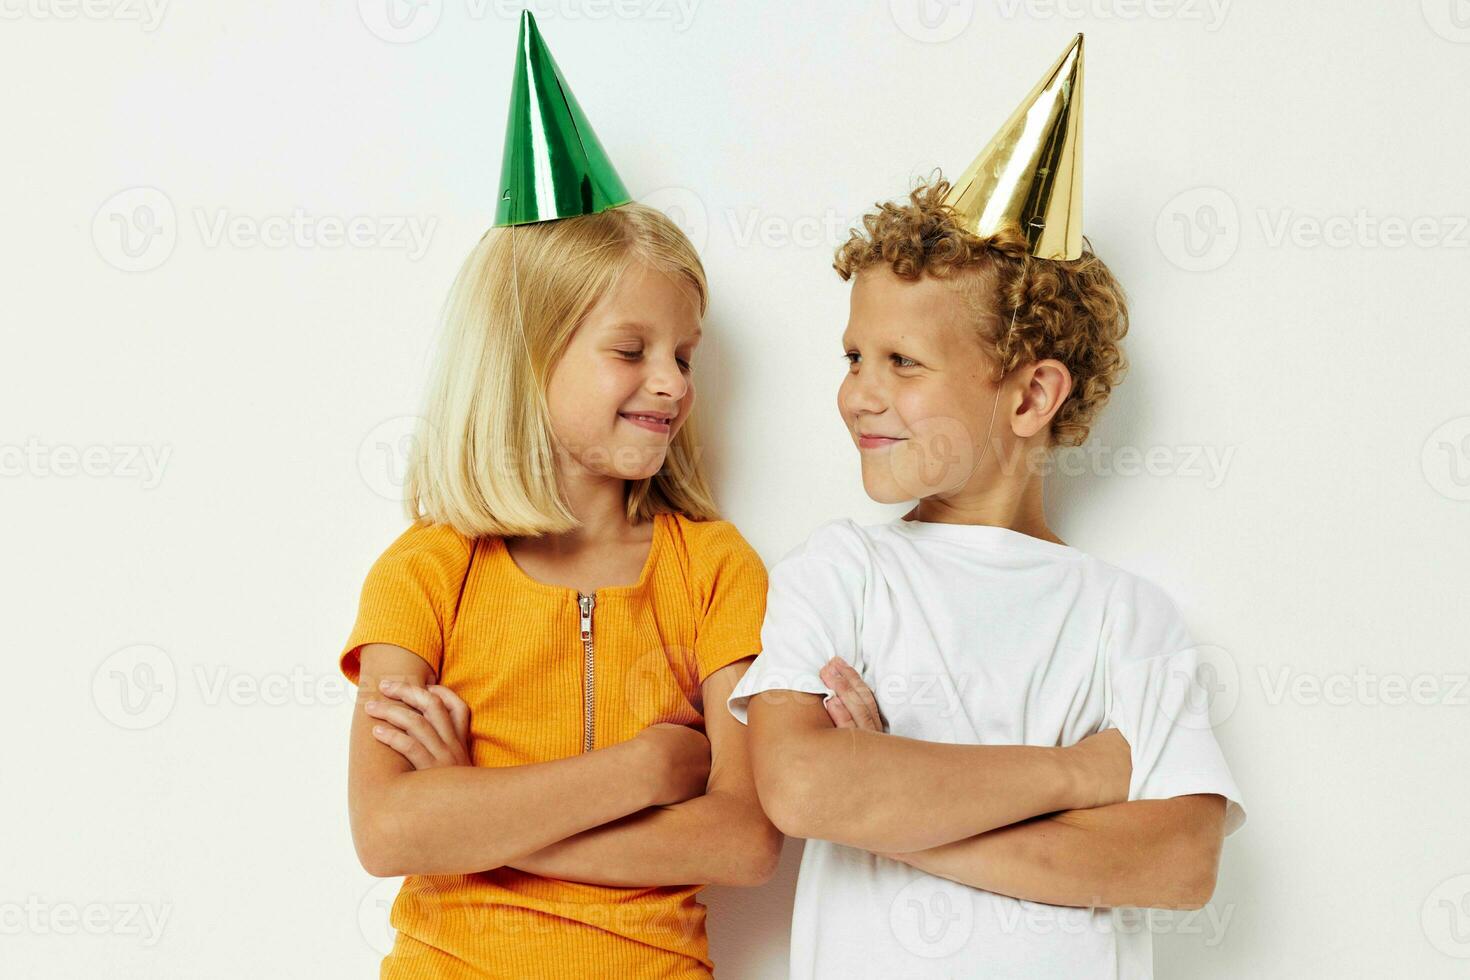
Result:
968,812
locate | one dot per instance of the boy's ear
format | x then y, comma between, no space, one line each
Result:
1043,387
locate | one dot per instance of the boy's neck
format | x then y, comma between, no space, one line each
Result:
1018,509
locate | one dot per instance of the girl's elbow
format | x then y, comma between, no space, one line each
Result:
755,860
380,841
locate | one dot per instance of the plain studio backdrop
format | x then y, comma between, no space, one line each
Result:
228,228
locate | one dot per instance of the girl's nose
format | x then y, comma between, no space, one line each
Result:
666,379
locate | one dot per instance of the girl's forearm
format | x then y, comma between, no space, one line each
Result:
1146,853
718,838
463,819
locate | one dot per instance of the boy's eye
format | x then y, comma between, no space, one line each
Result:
902,361
852,357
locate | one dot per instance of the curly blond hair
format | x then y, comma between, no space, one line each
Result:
1073,311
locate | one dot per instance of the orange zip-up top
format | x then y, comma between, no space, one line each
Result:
548,672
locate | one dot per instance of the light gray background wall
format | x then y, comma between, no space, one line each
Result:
202,410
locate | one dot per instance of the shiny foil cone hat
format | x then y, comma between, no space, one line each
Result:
1030,173
554,166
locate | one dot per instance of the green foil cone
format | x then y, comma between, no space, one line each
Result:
554,166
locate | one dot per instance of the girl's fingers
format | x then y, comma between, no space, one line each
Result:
429,707
459,712
412,723
405,745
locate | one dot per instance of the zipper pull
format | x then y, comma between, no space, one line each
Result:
585,602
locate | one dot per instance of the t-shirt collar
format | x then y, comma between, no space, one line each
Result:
983,535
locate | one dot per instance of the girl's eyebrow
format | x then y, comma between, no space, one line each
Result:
640,325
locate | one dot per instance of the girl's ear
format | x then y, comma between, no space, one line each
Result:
1044,386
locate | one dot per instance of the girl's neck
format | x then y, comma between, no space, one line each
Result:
600,504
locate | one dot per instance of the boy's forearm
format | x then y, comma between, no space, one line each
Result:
718,838
884,792
463,819
1145,853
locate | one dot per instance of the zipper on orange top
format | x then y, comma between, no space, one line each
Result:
589,678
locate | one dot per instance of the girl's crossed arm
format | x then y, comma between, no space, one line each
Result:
458,819
659,841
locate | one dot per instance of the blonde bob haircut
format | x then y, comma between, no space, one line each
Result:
484,458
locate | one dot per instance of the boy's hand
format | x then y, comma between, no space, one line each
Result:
854,706
428,726
1105,762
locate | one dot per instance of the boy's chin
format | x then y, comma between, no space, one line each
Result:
885,491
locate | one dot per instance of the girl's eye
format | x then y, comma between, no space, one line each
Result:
851,357
633,355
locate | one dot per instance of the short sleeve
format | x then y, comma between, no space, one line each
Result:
731,589
812,615
1161,685
410,596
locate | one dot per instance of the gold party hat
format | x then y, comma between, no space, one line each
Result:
1030,173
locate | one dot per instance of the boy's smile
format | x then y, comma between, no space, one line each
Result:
915,398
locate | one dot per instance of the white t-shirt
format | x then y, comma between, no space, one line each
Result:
981,635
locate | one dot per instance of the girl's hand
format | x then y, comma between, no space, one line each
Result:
428,726
854,706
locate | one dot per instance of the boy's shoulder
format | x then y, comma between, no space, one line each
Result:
841,539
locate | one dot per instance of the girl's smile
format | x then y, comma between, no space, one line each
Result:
660,422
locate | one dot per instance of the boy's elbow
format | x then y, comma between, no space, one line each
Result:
1196,866
789,786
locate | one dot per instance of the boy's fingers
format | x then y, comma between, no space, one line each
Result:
865,694
858,697
839,714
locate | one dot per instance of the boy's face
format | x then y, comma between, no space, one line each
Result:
917,399
628,360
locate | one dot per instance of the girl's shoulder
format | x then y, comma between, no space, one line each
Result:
712,545
426,550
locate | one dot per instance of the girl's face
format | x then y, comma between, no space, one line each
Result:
916,399
624,385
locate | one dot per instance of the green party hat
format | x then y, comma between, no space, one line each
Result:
554,167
